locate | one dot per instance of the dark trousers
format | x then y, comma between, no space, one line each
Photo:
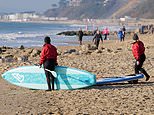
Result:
97,42
50,65
105,36
139,67
80,40
123,37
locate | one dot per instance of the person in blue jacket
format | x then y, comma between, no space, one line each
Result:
120,34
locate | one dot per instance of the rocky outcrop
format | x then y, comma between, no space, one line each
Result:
73,33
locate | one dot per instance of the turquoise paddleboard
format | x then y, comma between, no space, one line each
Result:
34,77
118,79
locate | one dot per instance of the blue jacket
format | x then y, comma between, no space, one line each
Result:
120,34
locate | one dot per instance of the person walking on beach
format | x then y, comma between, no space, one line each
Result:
97,38
120,35
49,60
124,32
105,32
80,35
138,50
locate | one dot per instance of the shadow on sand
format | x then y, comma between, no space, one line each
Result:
120,85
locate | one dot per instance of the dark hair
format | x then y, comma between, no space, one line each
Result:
47,40
135,37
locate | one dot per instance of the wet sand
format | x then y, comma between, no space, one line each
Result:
113,58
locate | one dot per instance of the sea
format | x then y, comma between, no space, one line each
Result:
15,34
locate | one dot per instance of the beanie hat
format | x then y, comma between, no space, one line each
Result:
135,37
47,40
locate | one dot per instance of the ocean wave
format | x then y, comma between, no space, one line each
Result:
78,25
13,36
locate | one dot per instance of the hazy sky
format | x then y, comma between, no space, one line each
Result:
7,6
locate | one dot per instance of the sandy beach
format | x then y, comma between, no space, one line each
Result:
113,58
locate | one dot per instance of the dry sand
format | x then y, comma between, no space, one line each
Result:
114,59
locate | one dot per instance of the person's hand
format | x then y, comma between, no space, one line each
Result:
137,62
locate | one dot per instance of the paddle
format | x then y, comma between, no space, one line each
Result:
52,72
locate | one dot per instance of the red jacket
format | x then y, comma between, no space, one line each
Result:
138,49
48,52
105,31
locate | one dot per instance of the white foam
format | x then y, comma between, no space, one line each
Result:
13,36
77,25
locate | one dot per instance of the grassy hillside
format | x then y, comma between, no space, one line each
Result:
113,9
144,10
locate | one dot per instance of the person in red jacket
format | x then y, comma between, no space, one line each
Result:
138,50
49,60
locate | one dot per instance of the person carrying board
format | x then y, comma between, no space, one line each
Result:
138,50
49,60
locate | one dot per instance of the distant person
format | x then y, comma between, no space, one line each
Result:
80,36
142,29
124,32
138,50
97,38
105,32
152,31
120,34
49,60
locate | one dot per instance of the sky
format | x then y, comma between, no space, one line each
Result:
10,6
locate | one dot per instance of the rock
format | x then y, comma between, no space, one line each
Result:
109,50
21,47
4,47
98,51
68,33
73,33
85,52
35,53
93,47
8,58
85,47
23,58
1,50
59,52
2,60
119,48
70,51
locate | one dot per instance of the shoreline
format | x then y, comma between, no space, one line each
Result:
98,22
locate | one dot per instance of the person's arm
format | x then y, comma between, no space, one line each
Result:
82,33
94,37
42,57
136,51
56,63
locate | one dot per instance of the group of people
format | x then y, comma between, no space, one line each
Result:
97,36
49,54
143,29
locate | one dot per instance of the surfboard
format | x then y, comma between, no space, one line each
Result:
34,77
118,79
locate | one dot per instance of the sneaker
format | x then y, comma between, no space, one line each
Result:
147,78
48,90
